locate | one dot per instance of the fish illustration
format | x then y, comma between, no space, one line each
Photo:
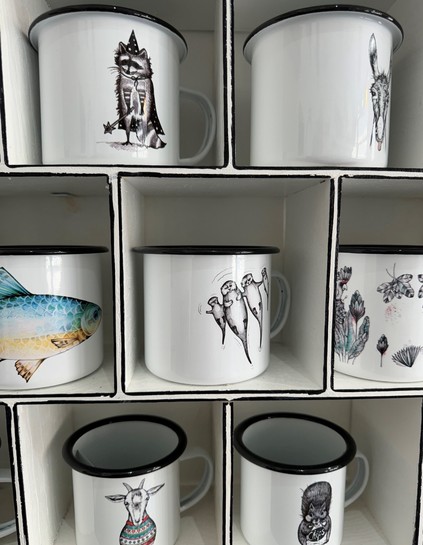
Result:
36,327
236,312
254,300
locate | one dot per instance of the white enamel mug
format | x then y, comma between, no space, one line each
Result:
321,84
109,87
378,330
51,317
126,486
207,312
293,475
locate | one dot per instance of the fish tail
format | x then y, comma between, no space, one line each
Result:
26,368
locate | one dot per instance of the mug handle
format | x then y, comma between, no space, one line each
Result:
284,303
206,480
360,480
210,125
6,528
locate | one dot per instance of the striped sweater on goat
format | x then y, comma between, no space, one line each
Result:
138,534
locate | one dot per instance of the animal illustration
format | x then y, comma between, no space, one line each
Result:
266,284
140,528
380,93
36,327
316,524
236,312
136,104
253,296
219,315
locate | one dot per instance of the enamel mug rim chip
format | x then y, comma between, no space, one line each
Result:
327,9
70,456
295,469
33,32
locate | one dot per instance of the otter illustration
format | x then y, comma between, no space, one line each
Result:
265,282
236,312
254,300
218,312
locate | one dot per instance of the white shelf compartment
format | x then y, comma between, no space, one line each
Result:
202,70
43,428
64,210
291,213
380,211
407,77
388,432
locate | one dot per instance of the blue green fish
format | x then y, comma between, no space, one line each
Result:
36,327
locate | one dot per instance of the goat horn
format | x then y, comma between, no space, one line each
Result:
128,488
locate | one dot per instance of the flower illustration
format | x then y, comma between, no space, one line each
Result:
382,346
407,356
342,278
350,338
357,309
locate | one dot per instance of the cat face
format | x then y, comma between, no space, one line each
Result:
133,66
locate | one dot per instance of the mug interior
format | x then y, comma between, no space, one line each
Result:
124,446
294,443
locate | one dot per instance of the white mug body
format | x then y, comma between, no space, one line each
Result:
51,314
378,331
321,80
109,86
125,472
274,506
293,470
207,312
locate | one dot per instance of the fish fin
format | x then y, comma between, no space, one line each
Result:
65,343
26,368
9,286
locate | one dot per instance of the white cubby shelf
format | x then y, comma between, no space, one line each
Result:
306,212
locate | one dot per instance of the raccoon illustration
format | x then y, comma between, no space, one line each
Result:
136,105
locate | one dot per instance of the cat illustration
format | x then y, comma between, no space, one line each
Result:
136,103
316,524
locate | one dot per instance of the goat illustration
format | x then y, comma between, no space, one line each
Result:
140,528
380,91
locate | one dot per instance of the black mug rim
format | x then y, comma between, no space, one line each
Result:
51,250
328,467
327,8
104,8
381,249
77,465
207,250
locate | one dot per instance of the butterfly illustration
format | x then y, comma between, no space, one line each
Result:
397,287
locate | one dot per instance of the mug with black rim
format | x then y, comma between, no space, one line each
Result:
293,475
207,311
109,88
125,472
